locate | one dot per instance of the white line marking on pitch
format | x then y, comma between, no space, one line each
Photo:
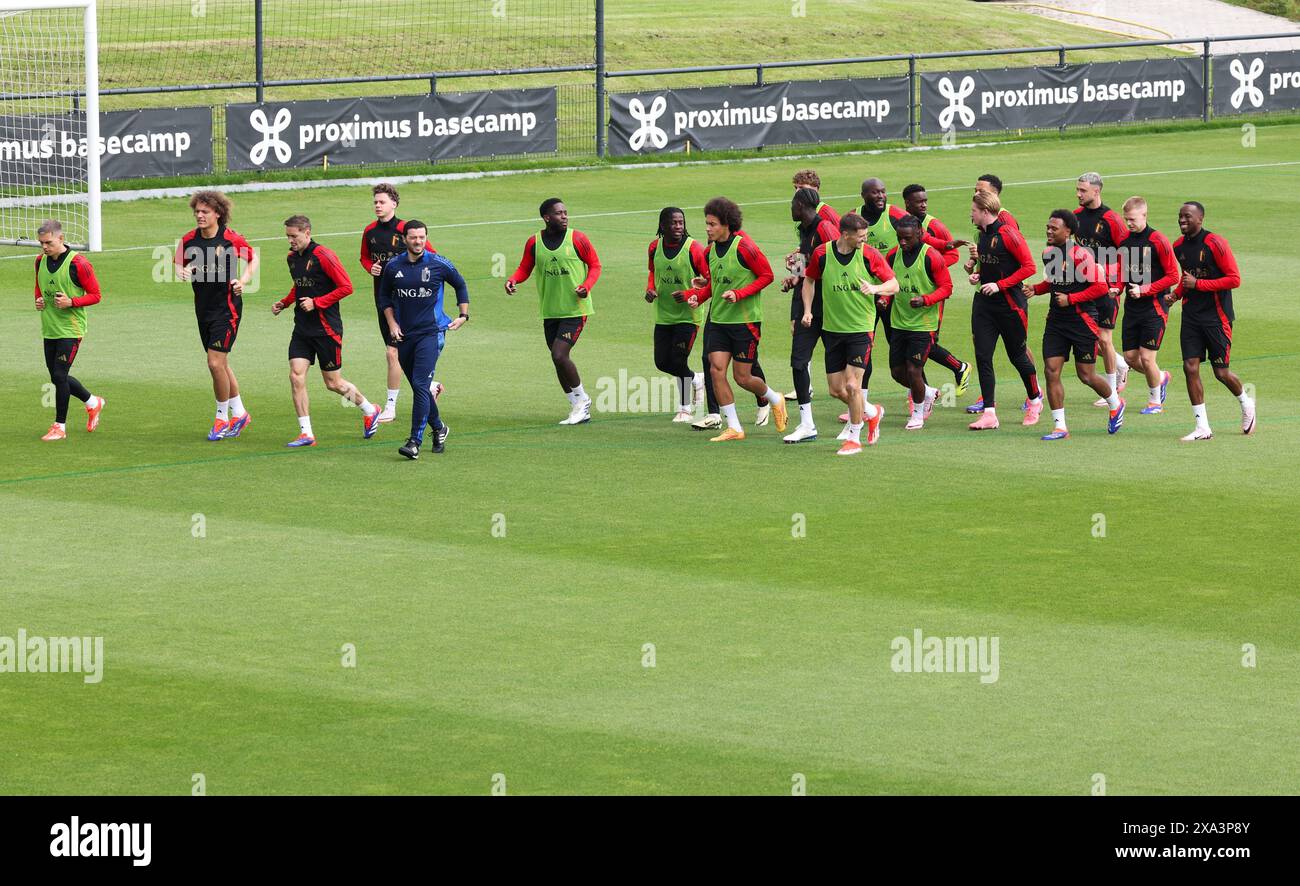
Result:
517,221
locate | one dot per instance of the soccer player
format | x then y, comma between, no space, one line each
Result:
319,284
65,287
208,257
848,276
738,274
1209,274
1149,271
991,184
936,234
808,178
381,241
411,292
923,283
881,217
813,231
1101,232
675,259
1075,281
999,266
562,257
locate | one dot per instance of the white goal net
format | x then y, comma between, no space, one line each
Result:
49,110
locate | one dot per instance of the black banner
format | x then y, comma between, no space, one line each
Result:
400,129
788,113
1043,97
151,142
1256,82
98,836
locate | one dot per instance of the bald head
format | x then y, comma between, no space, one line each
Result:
873,193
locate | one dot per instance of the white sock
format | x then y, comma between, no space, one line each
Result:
918,409
62,426
1243,399
729,413
304,425
367,407
773,397
1058,417
223,409
92,402
698,381
391,403
1112,379
1154,394
855,432
931,393
869,411
573,398
1202,420
1121,365
805,415
1113,400
579,393
237,406
990,411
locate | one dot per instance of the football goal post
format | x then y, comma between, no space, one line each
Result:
49,120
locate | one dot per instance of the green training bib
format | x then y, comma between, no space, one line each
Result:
560,271
912,281
58,322
673,275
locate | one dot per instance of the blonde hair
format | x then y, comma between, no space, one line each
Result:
1135,203
987,201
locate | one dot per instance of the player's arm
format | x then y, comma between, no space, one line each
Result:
753,258
811,274
651,292
333,269
252,261
881,269
1044,286
283,303
701,285
182,270
84,276
1087,268
1227,263
1119,232
587,253
938,271
938,237
884,301
525,269
367,262
386,303
827,232
40,299
1019,249
453,276
1168,263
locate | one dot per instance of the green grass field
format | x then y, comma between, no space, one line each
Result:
523,655
149,42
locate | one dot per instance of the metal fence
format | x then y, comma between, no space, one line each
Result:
885,65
